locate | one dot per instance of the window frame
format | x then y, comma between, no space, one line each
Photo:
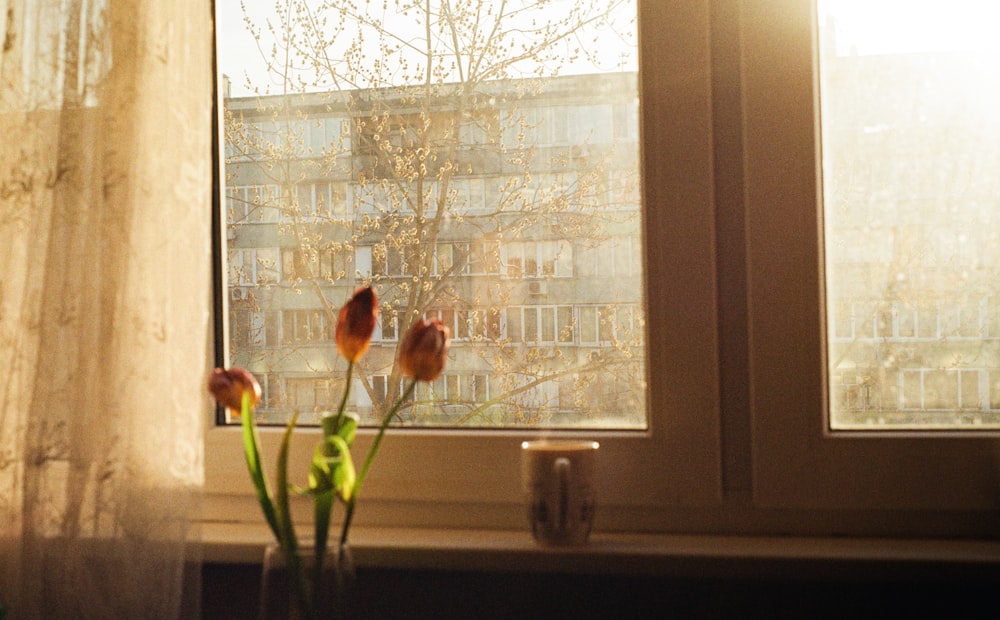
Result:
736,444
933,477
463,478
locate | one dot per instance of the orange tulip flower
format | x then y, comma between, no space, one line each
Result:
356,323
424,350
228,386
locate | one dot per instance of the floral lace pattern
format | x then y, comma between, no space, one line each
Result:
105,178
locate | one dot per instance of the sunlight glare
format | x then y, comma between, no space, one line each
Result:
900,26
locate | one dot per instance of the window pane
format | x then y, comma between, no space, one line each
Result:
494,189
911,150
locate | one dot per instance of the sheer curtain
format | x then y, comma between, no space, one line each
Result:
105,189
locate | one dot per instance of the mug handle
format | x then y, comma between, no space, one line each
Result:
562,469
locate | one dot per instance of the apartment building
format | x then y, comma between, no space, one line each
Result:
508,210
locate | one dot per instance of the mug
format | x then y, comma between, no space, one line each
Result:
558,480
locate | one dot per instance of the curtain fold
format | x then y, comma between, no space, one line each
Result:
105,202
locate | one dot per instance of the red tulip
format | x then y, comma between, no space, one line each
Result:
229,385
424,350
356,323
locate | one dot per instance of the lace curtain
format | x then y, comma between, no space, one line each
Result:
105,189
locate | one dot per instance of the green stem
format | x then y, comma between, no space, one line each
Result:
288,541
276,508
323,506
251,449
343,401
324,502
349,507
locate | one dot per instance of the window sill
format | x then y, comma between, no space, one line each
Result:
689,556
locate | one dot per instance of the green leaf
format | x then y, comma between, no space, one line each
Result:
349,427
322,507
281,500
287,529
320,471
251,449
344,476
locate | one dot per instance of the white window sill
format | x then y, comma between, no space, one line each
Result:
757,557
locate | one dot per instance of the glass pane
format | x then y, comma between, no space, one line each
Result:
473,161
911,154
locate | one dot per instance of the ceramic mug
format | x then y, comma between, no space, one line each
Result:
558,480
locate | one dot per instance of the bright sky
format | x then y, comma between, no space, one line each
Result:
238,52
237,49
863,26
888,26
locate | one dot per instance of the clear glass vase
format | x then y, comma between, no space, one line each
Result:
285,597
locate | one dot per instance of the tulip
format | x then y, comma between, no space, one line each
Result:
228,386
423,351
356,323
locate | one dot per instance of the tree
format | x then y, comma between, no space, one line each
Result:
432,149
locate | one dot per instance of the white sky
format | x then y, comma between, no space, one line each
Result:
238,53
888,26
236,48
863,27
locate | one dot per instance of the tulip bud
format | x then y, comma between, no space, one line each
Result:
424,349
229,385
356,323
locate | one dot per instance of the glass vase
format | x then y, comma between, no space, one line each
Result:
285,597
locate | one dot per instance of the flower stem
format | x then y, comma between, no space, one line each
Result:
287,538
349,507
251,449
343,400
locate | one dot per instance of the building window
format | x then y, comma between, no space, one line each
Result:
456,388
311,394
538,259
327,136
325,263
471,258
306,327
540,324
317,201
387,328
248,204
617,257
253,266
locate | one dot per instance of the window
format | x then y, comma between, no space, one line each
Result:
910,240
317,201
325,263
387,327
891,355
252,266
438,225
536,259
327,136
540,324
738,438
617,257
471,195
312,327
251,203
549,237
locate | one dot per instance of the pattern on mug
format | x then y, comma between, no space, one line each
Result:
539,515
